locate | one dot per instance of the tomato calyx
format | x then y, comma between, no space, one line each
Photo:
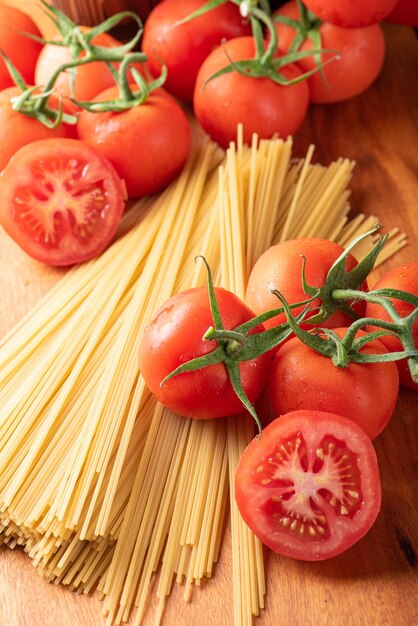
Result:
339,279
234,346
347,349
266,63
307,27
83,52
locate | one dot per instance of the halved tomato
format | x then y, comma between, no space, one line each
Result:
60,200
309,487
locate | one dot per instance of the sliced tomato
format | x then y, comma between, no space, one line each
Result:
60,200
309,487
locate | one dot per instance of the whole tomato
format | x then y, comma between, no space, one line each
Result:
184,47
357,54
280,268
405,13
22,51
351,13
175,336
90,79
405,278
260,104
366,393
147,144
17,129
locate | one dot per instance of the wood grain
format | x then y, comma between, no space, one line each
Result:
374,583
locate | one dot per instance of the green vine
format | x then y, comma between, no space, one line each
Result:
340,290
35,101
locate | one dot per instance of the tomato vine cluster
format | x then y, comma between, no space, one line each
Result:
308,485
233,60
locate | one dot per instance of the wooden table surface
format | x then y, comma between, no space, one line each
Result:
375,582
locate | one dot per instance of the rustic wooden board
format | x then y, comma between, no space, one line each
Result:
374,582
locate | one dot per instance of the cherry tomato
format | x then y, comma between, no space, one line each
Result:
175,336
60,200
147,144
184,47
405,278
405,12
90,79
361,51
22,51
351,13
17,129
263,106
309,487
366,393
280,268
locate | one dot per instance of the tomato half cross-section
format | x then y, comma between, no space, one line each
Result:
61,201
309,487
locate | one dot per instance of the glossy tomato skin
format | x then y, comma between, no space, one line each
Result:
60,200
17,129
362,52
263,106
22,51
90,79
184,47
405,278
366,393
405,13
148,144
280,268
351,13
175,336
309,488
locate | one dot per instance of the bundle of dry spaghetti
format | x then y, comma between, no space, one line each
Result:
101,484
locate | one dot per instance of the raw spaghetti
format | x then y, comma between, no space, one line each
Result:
101,484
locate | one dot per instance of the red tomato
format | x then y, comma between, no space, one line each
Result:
366,393
405,278
309,487
263,106
362,53
351,13
147,144
280,268
90,79
60,200
405,13
22,51
175,336
17,129
183,48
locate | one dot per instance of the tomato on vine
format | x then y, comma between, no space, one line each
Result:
265,107
352,57
183,45
280,268
17,129
405,278
175,336
147,144
351,13
23,51
302,378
